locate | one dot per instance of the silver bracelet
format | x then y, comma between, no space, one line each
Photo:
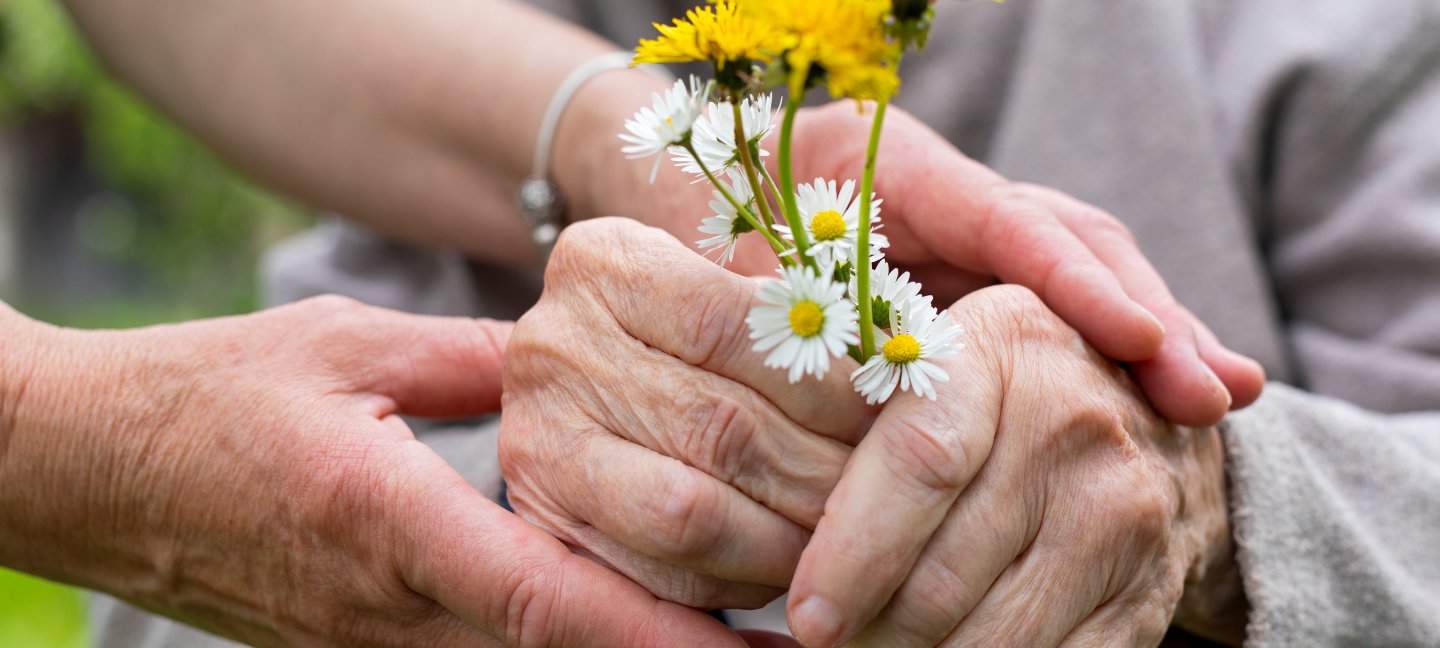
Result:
539,199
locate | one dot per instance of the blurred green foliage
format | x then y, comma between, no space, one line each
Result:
193,226
36,613
185,222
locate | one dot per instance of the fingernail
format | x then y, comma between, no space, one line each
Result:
816,623
1158,324
1218,385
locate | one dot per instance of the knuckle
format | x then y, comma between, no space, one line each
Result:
927,452
1012,198
692,589
577,240
585,248
532,589
683,528
515,447
935,600
720,331
1093,220
722,438
329,304
1010,314
1147,507
331,312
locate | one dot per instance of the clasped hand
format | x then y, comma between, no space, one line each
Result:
1039,501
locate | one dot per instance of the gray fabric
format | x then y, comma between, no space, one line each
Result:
1335,546
1278,161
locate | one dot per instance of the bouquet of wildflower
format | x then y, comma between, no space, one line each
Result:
838,295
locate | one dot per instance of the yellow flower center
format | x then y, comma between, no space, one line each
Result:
899,350
828,225
806,319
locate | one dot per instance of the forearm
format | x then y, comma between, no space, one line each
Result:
419,119
58,452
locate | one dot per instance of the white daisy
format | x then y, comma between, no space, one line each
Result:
832,220
806,319
727,225
920,336
889,290
714,136
668,124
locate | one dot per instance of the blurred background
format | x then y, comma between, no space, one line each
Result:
110,217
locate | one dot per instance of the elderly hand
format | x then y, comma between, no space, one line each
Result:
947,215
1038,502
642,429
249,476
956,226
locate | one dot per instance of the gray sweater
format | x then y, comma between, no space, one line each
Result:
1279,162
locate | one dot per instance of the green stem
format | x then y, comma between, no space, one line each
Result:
775,242
774,189
770,182
862,242
743,145
787,177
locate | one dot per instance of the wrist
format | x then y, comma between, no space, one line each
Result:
20,343
74,457
594,176
1213,603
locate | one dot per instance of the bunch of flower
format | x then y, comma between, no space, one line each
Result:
832,299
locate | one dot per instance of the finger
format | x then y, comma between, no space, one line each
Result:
897,487
439,367
988,526
523,586
1033,604
974,219
1122,622
765,639
665,579
398,424
660,507
1002,231
731,433
444,367
1181,386
1244,377
695,311
706,421
1105,536
1178,381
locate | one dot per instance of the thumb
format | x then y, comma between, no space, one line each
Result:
448,367
516,582
436,367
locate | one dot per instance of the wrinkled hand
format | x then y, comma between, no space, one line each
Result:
1038,502
958,226
249,476
1037,496
642,429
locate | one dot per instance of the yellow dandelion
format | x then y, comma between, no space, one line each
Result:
719,35
846,38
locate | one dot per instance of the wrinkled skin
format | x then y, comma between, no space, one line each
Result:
249,476
957,226
1039,499
639,345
